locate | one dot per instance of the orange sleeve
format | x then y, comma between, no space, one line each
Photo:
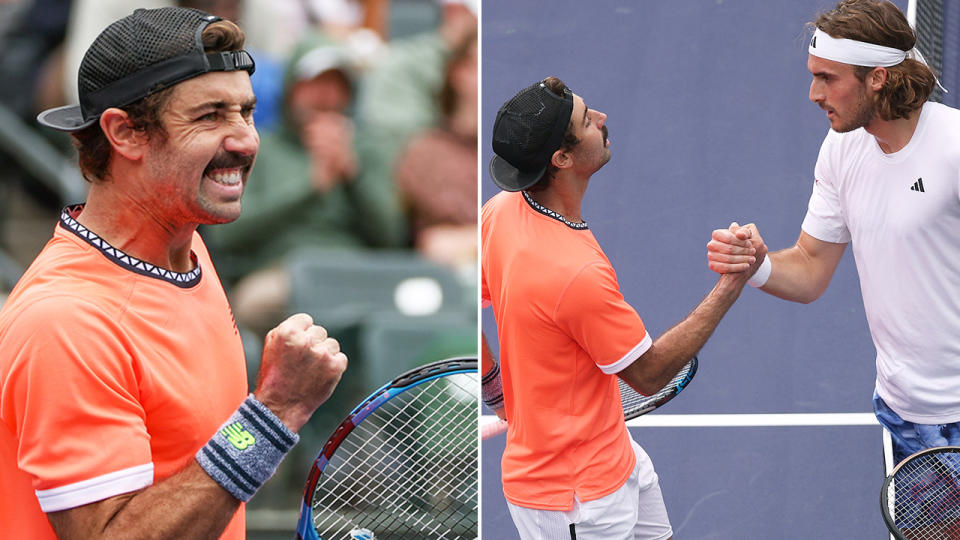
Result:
72,400
593,312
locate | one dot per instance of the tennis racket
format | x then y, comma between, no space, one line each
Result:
403,464
634,403
920,499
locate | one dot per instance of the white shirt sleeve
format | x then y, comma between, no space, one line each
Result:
825,220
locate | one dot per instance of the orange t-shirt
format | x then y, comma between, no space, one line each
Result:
113,373
564,330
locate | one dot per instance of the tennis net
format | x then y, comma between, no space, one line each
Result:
937,23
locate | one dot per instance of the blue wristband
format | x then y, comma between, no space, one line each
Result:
246,450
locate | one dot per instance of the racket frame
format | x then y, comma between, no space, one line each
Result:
889,519
496,428
676,388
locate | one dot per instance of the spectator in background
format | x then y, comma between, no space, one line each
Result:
437,173
304,191
399,93
398,97
30,45
30,36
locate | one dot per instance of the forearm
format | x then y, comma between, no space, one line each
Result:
679,344
198,501
796,276
800,273
487,361
189,504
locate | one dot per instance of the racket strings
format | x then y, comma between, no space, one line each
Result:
924,497
410,514
403,420
431,473
406,450
407,493
409,469
400,419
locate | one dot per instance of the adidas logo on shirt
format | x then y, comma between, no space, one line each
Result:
918,186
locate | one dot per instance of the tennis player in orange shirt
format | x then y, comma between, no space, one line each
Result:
123,403
570,468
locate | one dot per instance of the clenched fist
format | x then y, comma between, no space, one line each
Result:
301,366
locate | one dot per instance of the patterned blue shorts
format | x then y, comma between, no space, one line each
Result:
927,491
909,438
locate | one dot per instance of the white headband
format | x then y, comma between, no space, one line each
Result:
857,53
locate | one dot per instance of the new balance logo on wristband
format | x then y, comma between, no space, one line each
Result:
257,439
918,186
240,438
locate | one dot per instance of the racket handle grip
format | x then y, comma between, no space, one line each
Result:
492,429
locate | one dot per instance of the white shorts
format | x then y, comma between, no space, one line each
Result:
634,511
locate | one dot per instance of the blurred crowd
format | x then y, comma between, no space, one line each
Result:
367,113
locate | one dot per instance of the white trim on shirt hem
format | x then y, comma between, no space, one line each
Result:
95,489
628,358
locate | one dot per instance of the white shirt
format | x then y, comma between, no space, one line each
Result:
901,211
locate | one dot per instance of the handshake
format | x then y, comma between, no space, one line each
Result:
739,249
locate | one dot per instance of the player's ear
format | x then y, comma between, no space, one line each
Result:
877,78
561,159
125,139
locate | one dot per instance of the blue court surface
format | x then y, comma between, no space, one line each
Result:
709,123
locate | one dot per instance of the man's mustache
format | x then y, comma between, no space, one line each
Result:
230,160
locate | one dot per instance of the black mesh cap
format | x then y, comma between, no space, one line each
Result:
528,130
138,55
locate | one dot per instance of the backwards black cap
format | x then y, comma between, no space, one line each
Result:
528,130
139,55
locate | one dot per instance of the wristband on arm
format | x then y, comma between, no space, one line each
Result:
246,450
760,277
491,388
